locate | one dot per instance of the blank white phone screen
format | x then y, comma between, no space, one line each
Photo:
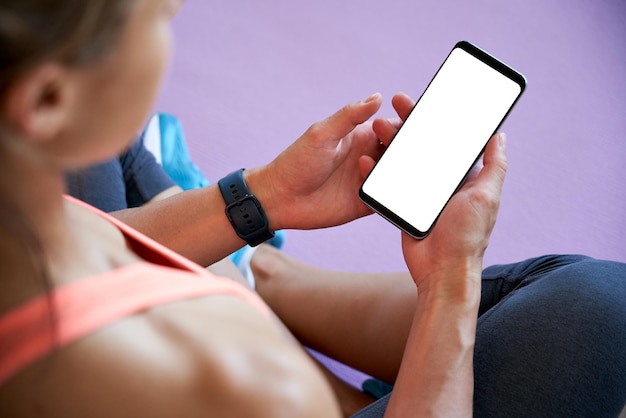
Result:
441,139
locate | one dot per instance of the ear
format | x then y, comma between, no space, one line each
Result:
37,105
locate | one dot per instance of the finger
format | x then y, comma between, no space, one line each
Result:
366,164
346,119
403,104
386,129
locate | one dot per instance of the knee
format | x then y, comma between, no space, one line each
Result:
601,278
592,295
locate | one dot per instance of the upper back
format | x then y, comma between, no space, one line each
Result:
168,352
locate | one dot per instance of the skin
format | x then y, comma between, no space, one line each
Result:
379,323
165,372
248,364
366,317
333,149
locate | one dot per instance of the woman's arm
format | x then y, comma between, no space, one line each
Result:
436,375
436,372
192,223
312,184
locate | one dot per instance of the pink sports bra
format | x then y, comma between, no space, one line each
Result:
87,305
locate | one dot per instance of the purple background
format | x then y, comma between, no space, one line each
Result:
249,77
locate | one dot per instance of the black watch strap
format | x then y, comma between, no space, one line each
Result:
244,210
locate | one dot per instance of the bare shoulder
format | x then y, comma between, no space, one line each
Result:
211,356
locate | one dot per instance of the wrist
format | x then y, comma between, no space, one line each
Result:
452,284
244,210
260,184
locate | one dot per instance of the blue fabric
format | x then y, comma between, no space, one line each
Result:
175,156
128,181
551,340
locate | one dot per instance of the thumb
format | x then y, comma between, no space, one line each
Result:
495,162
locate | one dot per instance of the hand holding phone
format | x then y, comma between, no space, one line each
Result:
441,139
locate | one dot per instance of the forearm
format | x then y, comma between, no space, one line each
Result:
312,184
378,312
436,376
192,223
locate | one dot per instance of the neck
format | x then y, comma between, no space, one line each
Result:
40,231
32,220
32,188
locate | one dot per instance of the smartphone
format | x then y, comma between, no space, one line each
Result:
444,135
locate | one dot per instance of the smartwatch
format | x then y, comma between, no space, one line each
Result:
244,210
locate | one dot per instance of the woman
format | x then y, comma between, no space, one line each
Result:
98,320
93,73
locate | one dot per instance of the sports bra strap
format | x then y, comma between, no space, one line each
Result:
72,311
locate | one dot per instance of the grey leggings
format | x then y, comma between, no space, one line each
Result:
551,340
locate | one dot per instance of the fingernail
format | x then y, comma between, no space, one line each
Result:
372,98
502,140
